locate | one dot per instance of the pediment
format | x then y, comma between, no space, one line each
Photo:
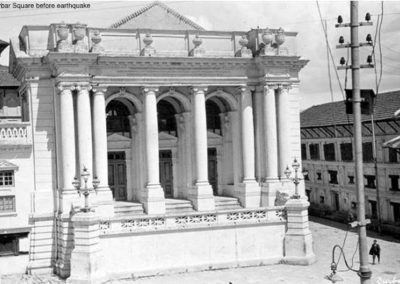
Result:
166,136
115,137
6,165
157,16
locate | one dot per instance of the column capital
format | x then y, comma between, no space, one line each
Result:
149,89
83,87
244,89
64,86
284,87
199,89
99,89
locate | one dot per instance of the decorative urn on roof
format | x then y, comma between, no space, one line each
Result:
243,41
148,39
267,36
197,41
148,50
280,37
79,31
62,31
96,39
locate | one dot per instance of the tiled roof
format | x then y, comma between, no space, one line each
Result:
163,6
6,79
335,113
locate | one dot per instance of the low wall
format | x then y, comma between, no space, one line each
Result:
155,245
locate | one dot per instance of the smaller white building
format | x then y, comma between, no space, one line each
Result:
328,155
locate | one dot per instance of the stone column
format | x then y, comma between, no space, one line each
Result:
270,181
284,150
86,259
104,199
187,152
67,133
175,174
85,154
153,194
201,194
298,238
249,194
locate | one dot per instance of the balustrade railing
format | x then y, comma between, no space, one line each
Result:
118,225
15,134
39,40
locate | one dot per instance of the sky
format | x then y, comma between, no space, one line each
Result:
299,16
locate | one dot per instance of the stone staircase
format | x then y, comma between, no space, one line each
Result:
128,208
174,206
226,203
177,206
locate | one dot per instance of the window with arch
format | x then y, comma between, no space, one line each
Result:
213,117
117,118
166,118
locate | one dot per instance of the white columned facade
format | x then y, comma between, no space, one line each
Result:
270,180
249,194
153,194
100,159
85,153
201,194
283,122
67,132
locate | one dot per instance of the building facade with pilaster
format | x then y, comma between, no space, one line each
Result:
183,131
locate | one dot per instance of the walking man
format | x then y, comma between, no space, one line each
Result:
375,251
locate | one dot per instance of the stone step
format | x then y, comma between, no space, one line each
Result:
128,208
173,206
226,203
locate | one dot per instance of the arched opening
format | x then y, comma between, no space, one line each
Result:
118,112
167,109
213,117
166,118
220,151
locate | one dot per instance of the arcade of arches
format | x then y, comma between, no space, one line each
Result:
201,147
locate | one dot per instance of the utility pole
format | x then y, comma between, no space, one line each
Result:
364,273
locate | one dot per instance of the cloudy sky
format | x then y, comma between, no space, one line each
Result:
300,16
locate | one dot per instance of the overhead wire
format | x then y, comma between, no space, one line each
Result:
330,51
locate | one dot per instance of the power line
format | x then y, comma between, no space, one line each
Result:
330,51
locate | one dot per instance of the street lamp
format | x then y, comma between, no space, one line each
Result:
85,190
296,180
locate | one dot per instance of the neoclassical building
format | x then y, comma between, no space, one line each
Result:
185,134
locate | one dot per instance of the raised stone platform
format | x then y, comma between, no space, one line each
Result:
187,242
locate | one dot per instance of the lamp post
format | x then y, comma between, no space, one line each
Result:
85,190
296,180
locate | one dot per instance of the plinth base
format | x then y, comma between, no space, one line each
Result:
86,258
268,192
249,194
202,197
153,199
298,238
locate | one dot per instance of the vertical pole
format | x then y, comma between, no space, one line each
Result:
365,272
378,200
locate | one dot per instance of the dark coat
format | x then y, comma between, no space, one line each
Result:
375,249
